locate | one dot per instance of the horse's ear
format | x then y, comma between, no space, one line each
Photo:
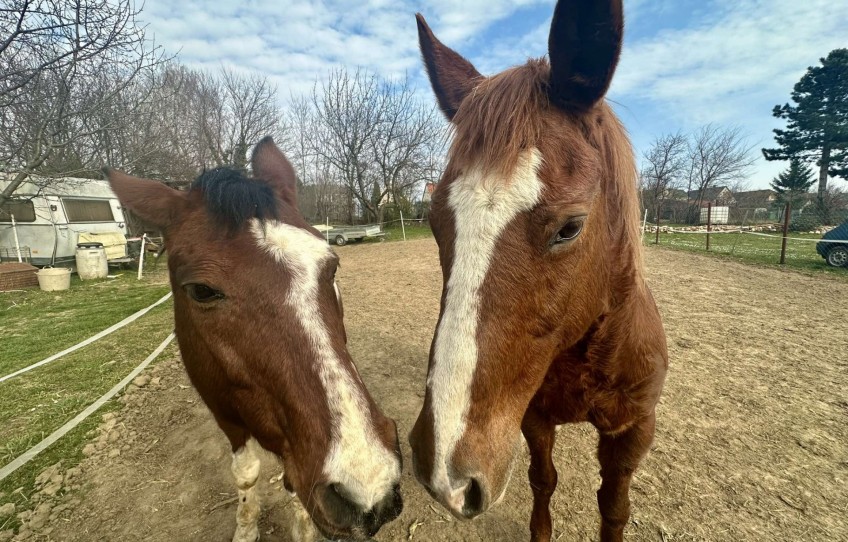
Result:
584,46
270,164
451,75
153,202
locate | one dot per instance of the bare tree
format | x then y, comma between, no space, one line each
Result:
379,139
835,202
409,134
348,113
663,168
247,112
61,62
716,155
194,120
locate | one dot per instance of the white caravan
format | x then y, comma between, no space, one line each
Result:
52,216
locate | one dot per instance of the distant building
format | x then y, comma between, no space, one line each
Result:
757,200
716,195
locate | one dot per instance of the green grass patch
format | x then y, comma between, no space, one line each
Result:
35,404
36,324
754,249
19,486
413,231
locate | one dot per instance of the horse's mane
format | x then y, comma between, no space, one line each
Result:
503,116
233,198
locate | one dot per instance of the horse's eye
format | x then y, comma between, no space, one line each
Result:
570,230
202,293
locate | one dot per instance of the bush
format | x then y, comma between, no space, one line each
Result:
805,222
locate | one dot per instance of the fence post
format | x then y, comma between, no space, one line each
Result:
745,219
327,231
141,256
17,243
644,222
709,221
402,228
786,214
657,238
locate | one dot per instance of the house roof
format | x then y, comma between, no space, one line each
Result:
755,198
712,193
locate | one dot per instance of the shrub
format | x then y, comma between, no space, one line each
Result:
805,222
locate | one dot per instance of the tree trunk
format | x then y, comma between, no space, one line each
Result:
825,163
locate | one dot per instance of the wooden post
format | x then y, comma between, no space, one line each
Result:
402,228
327,231
786,214
709,222
657,238
745,219
644,222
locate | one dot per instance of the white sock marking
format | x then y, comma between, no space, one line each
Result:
245,467
482,208
357,459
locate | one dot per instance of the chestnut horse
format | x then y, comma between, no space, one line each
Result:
259,324
545,315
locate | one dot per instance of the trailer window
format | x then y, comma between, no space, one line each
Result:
88,210
23,210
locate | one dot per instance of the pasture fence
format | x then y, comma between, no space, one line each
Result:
31,453
109,330
763,242
27,456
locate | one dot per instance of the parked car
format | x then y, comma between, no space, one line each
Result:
834,246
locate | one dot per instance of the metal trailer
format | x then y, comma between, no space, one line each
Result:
341,235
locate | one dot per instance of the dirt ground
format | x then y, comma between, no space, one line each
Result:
752,440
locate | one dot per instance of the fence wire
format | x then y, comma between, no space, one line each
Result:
763,246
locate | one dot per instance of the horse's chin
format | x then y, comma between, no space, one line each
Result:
332,533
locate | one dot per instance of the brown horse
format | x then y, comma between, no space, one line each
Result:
259,325
545,315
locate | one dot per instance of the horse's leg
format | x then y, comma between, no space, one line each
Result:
540,433
619,455
245,468
302,528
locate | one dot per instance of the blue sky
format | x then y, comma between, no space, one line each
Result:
685,62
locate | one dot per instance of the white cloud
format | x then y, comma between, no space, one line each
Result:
732,66
730,61
309,38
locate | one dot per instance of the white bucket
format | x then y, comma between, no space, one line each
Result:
51,279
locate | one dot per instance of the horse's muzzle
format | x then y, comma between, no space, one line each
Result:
349,518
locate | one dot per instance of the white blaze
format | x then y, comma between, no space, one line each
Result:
357,459
482,208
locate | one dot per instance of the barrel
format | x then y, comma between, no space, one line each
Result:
91,261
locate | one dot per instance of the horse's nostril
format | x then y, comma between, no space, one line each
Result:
342,508
474,499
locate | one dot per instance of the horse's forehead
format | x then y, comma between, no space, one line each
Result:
290,244
484,199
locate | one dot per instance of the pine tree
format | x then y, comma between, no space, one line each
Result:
792,184
817,125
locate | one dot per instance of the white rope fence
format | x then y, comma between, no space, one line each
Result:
27,456
93,338
718,232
